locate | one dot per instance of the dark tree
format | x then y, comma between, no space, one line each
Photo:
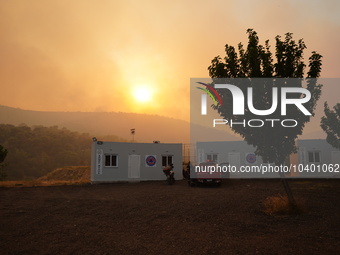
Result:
35,151
330,123
3,154
274,144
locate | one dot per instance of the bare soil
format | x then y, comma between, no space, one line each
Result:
153,218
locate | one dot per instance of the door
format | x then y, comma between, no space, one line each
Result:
234,160
134,166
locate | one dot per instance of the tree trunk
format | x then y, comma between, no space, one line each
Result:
289,192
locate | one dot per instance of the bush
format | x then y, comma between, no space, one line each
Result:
279,205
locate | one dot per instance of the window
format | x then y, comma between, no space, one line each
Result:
314,157
212,157
111,160
267,161
167,160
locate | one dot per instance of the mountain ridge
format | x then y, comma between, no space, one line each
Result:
148,127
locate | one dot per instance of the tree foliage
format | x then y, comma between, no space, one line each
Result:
3,154
38,150
330,123
254,61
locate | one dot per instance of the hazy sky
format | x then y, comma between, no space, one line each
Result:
92,55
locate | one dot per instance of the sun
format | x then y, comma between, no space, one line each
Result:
142,94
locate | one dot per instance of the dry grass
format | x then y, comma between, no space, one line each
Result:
30,183
36,183
279,205
70,175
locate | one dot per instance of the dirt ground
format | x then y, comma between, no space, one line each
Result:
153,218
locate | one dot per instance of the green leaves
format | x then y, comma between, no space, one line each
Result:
314,65
289,56
330,123
3,154
35,151
256,61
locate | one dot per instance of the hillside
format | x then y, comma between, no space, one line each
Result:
35,151
51,140
148,127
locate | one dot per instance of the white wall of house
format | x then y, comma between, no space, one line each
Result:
224,152
235,153
320,154
238,153
113,161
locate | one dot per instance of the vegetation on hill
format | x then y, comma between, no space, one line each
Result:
35,151
148,127
3,154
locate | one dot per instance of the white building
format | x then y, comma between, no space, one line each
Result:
315,158
233,153
114,161
318,154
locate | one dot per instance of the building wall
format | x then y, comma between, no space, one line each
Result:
317,152
238,153
129,161
235,153
224,151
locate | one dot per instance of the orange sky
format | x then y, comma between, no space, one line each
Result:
90,55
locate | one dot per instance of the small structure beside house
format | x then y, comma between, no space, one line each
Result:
116,161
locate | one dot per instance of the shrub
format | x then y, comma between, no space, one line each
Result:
279,205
